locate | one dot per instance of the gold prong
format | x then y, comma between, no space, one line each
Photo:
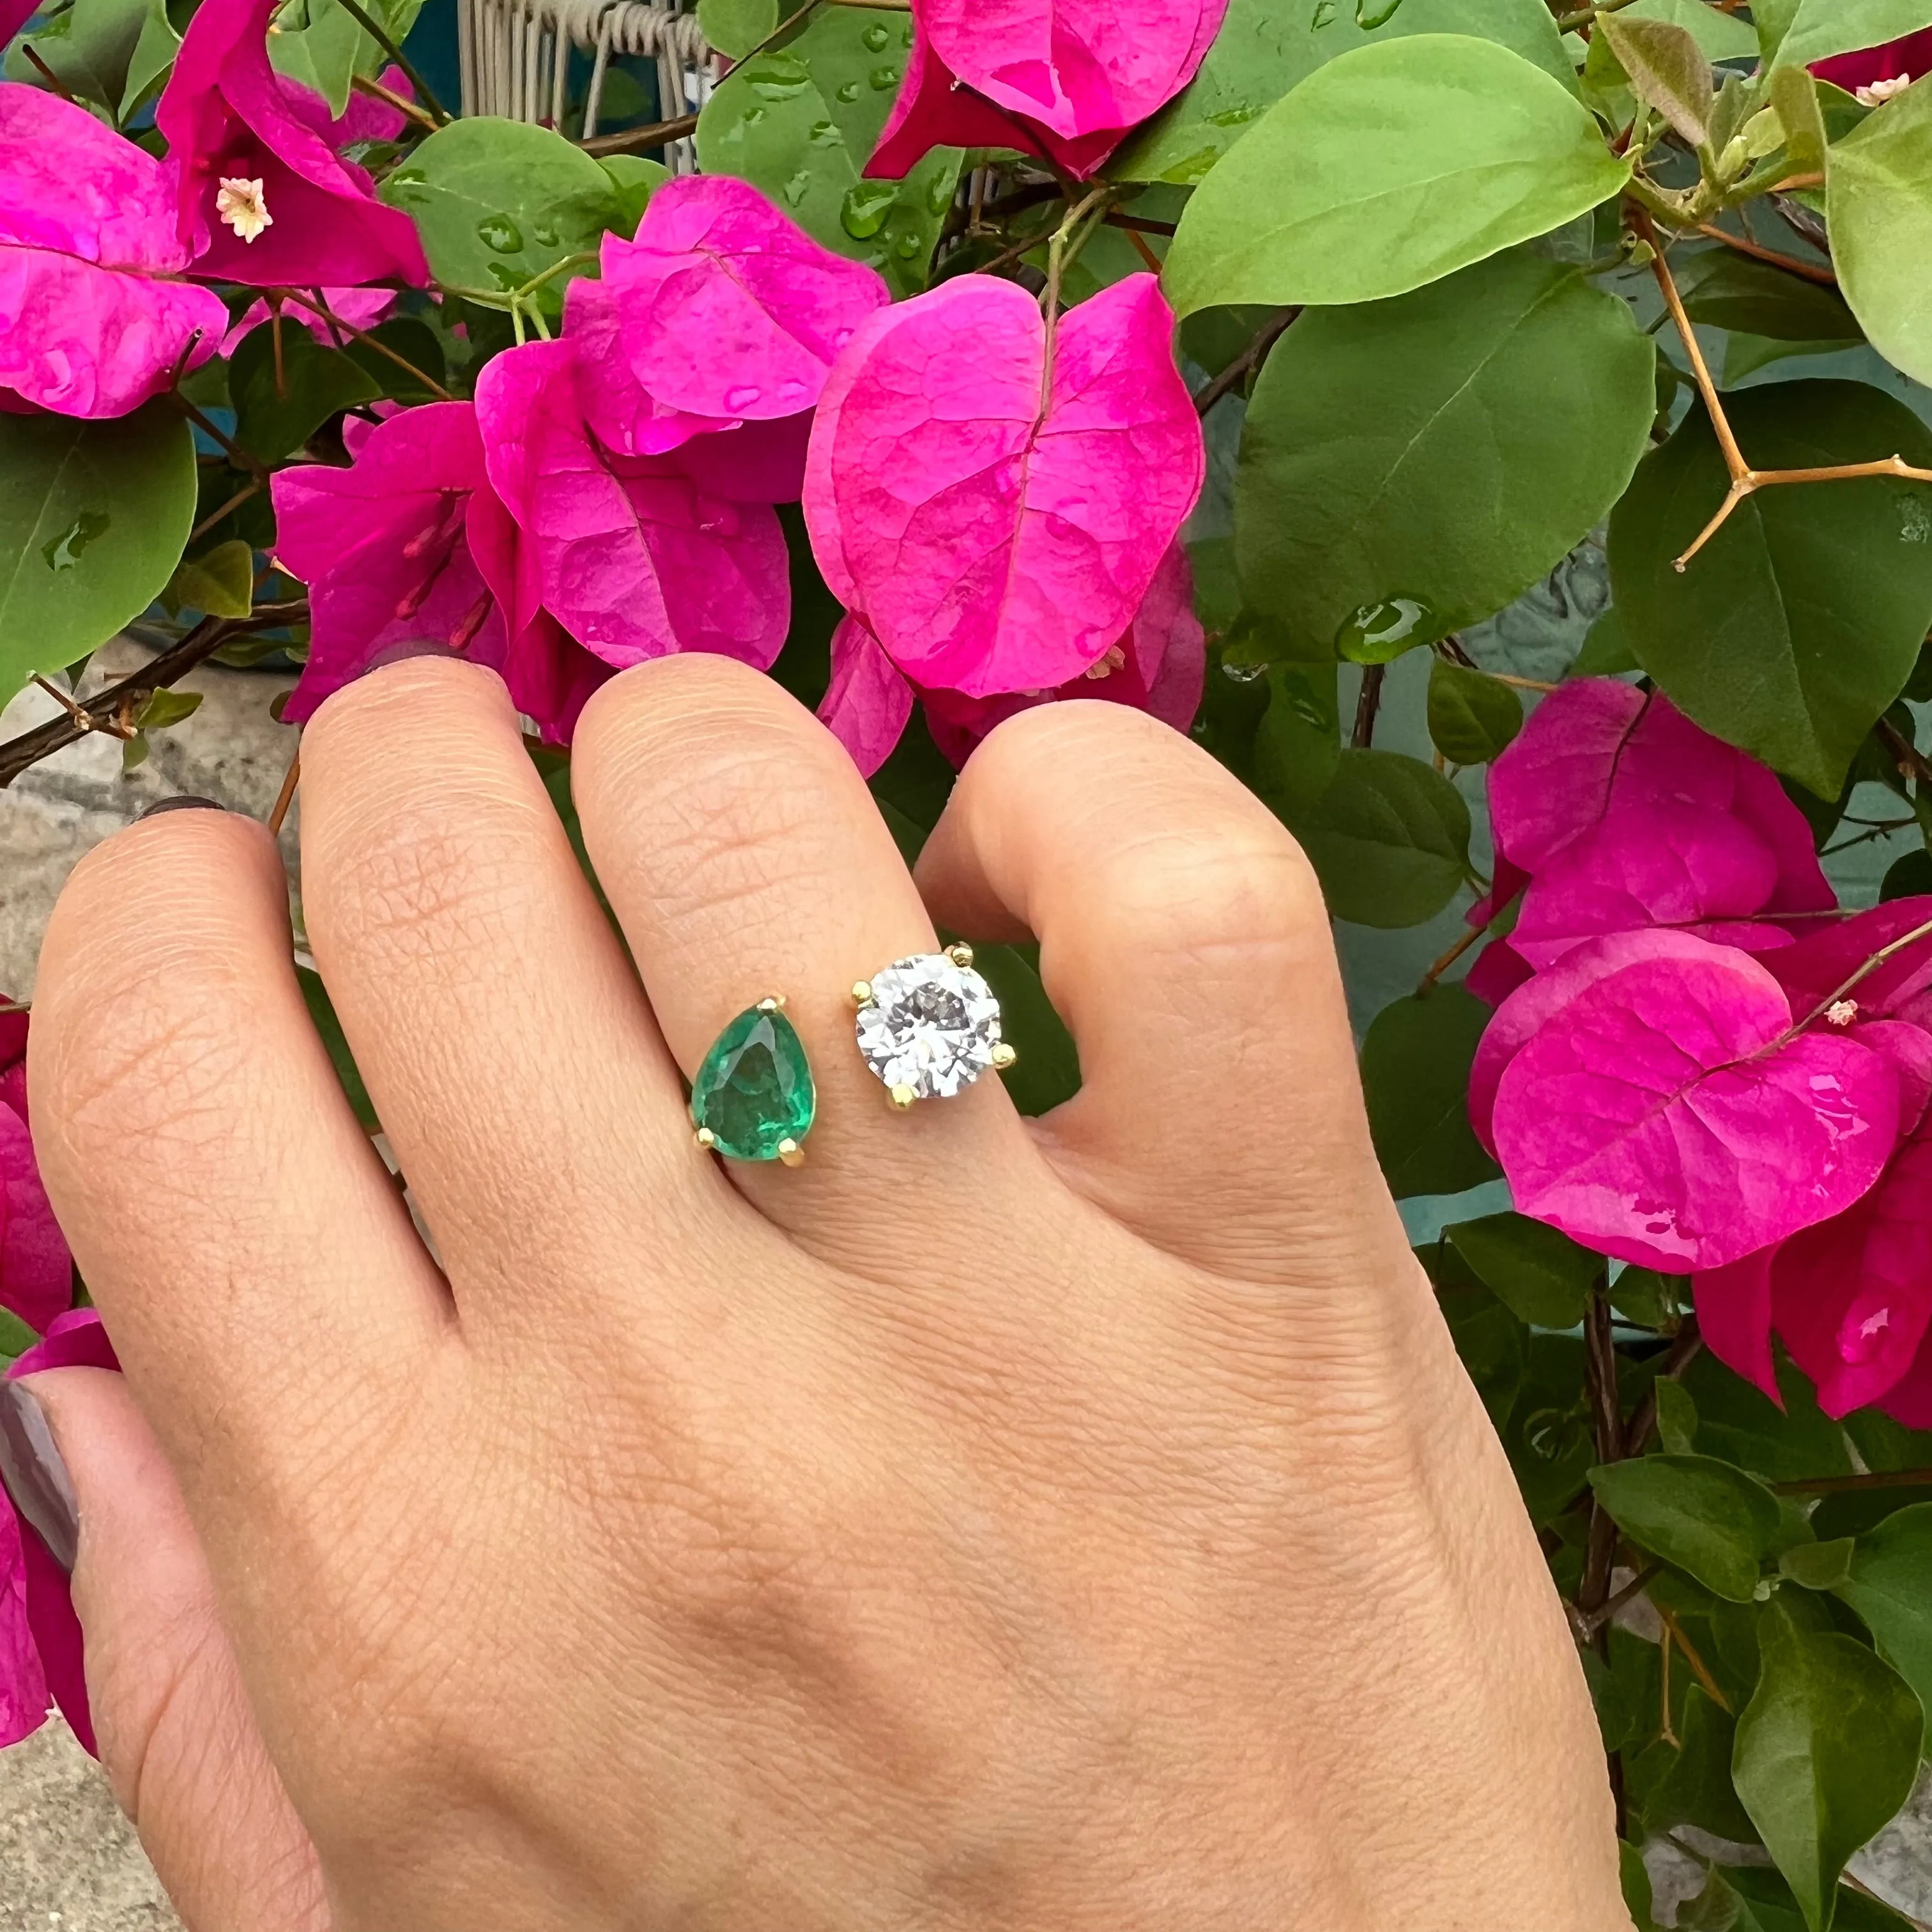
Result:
961,955
903,1098
790,1153
1003,1056
862,992
705,1139
771,1002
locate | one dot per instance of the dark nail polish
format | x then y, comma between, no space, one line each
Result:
186,803
413,647
35,1477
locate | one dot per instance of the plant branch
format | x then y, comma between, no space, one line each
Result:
381,348
285,797
1684,1351
1427,982
1873,1479
1607,1423
657,134
1802,222
1811,271
1138,224
229,447
1366,705
235,502
1567,23
381,35
117,700
1912,763
1699,1667
403,106
1588,1625
52,79
1264,339
783,28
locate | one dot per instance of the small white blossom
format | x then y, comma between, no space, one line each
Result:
243,206
1111,662
1879,91
1842,1013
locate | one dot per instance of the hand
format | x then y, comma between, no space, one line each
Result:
1083,1525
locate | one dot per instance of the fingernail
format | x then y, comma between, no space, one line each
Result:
414,647
34,1476
186,803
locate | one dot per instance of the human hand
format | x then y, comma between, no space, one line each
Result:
1082,1524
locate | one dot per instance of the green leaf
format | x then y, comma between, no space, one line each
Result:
1392,166
1472,717
1768,1906
1606,651
1638,1901
221,582
1264,49
1878,196
1048,1070
1538,1272
1818,1566
1297,745
1650,1300
416,343
1708,1517
1415,1077
1889,1584
1449,447
1734,292
93,517
497,202
1740,1423
1794,94
1389,839
335,1042
1827,1753
1800,621
164,708
321,44
113,52
1690,1782
1721,36
801,121
15,1337
1666,69
1822,27
636,179
274,419
1676,1418
735,27
1548,1436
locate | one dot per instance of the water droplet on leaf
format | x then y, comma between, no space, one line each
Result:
408,178
798,187
1375,13
875,38
849,92
825,134
63,552
499,234
547,234
907,248
884,78
1243,673
1379,633
742,397
939,194
866,206
781,77
1325,12
1915,518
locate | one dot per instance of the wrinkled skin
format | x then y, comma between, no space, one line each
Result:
1079,1524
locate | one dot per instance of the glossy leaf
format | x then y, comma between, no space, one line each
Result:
499,201
1448,447
1415,1071
1542,1277
1472,717
1706,1516
1879,196
1390,167
1800,621
277,412
1666,69
800,122
1389,839
1827,1752
114,53
93,518
1889,1584
1265,49
1727,290
320,43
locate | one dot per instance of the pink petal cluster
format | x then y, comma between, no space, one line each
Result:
228,115
1697,1063
1874,74
1064,79
36,1271
92,320
41,1650
993,499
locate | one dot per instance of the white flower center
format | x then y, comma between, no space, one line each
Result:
243,206
1879,91
1112,662
1842,1013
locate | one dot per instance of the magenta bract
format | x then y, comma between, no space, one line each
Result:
1904,59
628,554
227,114
1664,1115
867,704
36,1270
990,545
23,1684
722,310
89,325
361,308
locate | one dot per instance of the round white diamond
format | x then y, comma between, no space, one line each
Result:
932,1026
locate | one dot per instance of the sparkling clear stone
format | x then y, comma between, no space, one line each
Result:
932,1026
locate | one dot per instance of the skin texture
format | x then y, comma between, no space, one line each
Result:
1082,1524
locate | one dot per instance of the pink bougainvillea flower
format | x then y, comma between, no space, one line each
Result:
1817,970
1498,970
867,704
48,1657
627,554
89,324
361,308
36,1270
264,198
1627,814
936,109
367,119
410,542
1667,1113
992,546
1875,74
722,310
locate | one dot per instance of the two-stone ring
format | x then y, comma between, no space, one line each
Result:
927,1027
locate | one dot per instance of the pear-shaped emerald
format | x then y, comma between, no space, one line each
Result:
753,1096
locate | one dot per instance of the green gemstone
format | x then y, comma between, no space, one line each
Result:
754,1091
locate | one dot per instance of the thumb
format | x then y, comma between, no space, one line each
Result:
187,1763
